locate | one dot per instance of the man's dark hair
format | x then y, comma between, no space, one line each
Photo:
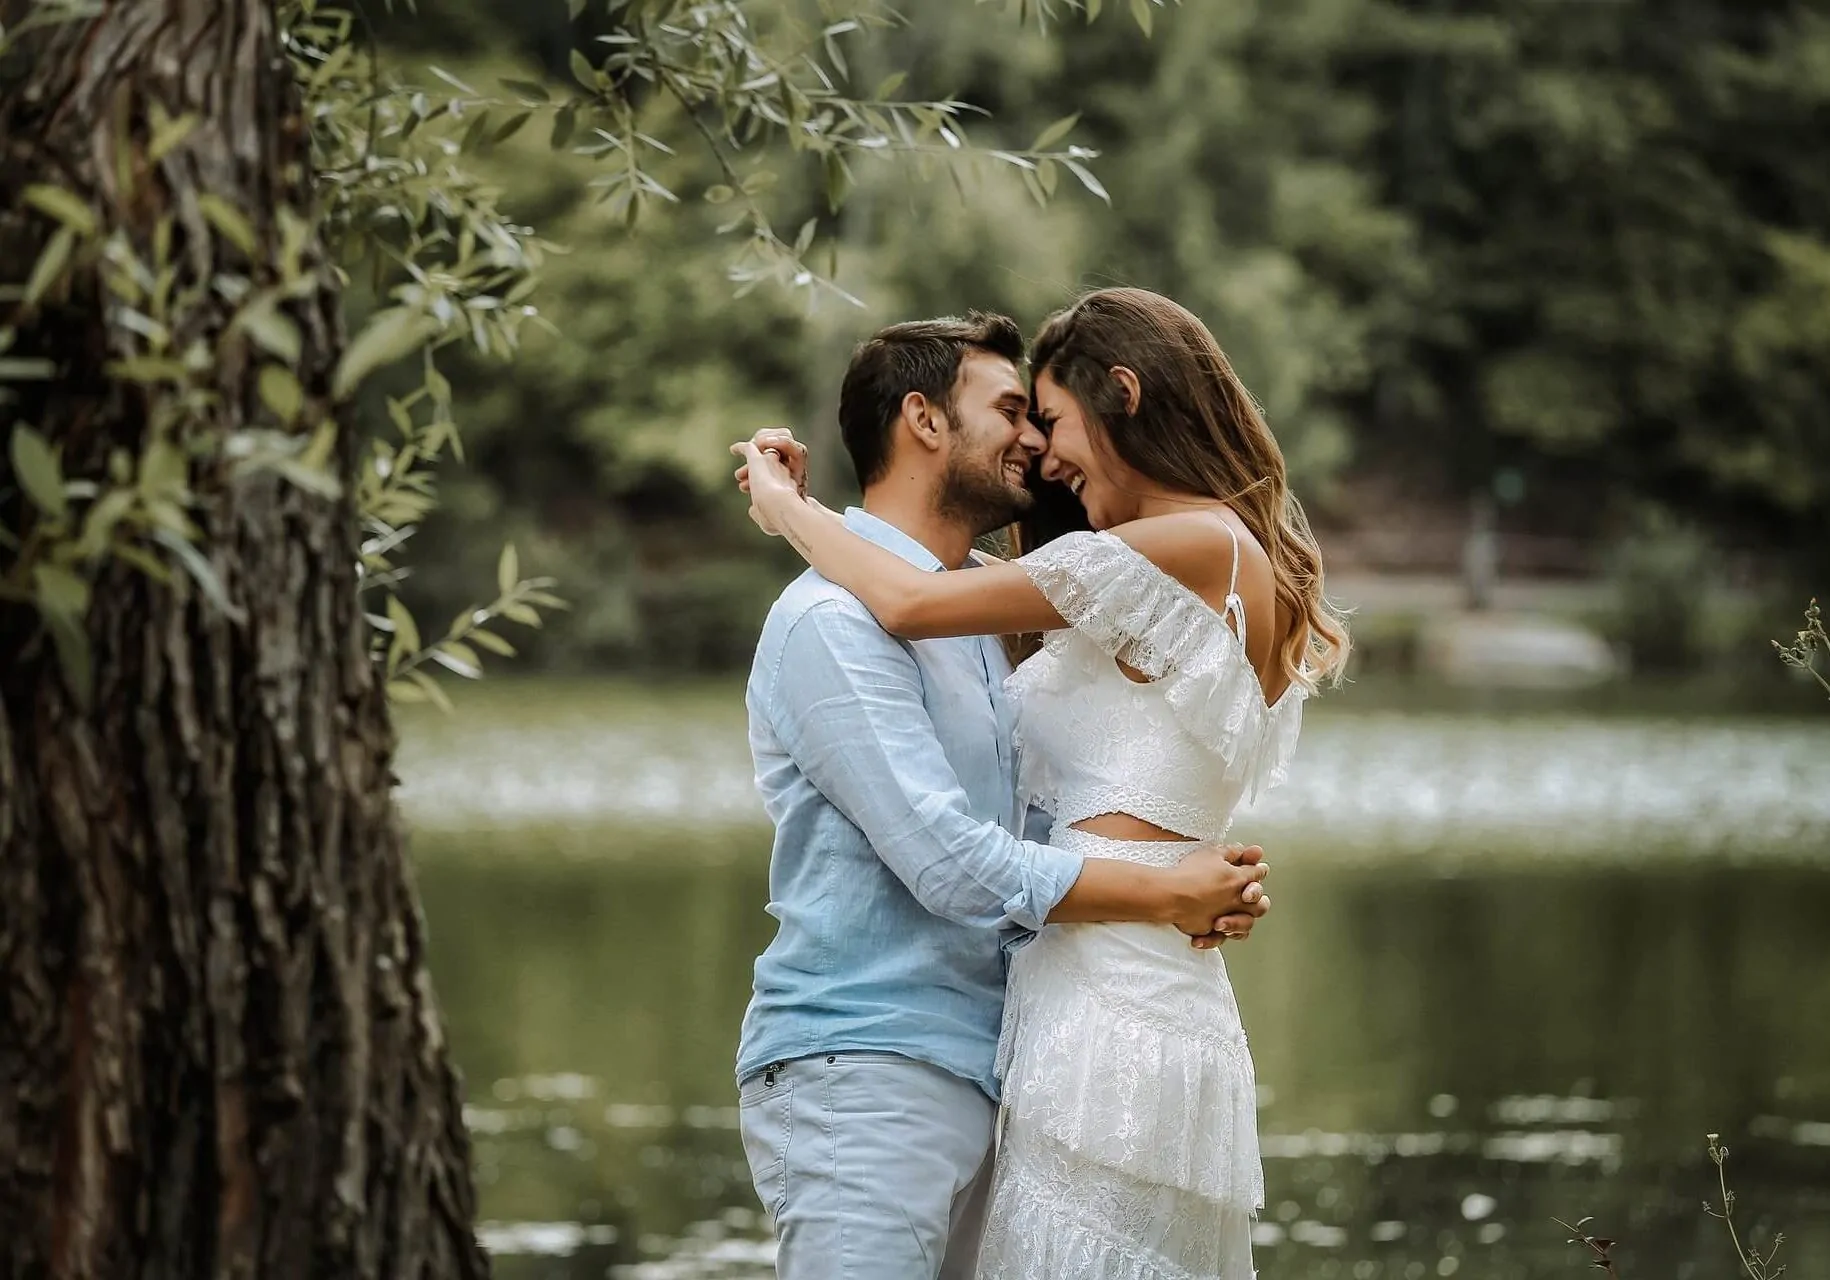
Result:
920,355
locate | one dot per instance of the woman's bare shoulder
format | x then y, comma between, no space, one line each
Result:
1198,548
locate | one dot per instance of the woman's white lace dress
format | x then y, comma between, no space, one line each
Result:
1129,1146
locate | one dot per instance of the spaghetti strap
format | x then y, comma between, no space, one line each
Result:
1234,606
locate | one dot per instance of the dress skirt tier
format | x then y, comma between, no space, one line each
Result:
1129,1139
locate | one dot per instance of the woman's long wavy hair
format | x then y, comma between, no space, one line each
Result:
1196,430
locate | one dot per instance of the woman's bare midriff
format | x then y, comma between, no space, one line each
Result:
1122,826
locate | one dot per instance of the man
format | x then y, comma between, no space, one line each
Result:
899,875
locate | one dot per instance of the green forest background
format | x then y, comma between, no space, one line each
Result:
1563,261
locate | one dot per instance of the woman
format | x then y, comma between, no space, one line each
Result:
1130,1148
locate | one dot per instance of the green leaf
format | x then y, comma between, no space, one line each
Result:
294,232
889,86
405,691
65,206
583,71
508,569
1087,179
521,613
310,479
163,471
453,81
406,632
491,641
476,134
146,564
166,514
388,336
101,518
719,193
201,571
430,687
401,417
280,391
1140,13
35,462
563,125
1093,9
1047,175
1055,132
276,333
574,8
21,369
57,590
323,440
63,599
168,135
50,265
459,659
510,127
148,369
527,89
230,222
1035,188
838,180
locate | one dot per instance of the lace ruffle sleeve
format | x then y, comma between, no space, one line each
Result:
1148,620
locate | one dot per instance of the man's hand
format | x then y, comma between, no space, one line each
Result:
1220,894
781,442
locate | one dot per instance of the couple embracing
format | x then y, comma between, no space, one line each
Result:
993,1035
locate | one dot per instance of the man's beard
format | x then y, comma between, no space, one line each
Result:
981,498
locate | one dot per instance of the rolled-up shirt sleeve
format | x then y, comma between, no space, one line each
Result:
848,708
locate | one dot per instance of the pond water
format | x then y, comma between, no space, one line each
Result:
1520,964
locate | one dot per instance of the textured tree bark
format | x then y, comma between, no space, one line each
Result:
219,1050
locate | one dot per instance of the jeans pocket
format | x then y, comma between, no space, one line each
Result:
765,1106
762,1085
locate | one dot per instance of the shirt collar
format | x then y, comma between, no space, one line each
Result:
890,538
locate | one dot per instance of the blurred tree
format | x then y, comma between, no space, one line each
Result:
1623,222
1567,256
1249,209
1568,259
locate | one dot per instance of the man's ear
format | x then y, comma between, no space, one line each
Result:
923,422
1134,392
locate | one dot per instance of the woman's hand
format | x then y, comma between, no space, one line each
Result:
772,488
781,442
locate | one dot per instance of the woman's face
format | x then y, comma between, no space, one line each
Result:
1076,457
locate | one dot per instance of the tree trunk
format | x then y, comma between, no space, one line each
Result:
219,1049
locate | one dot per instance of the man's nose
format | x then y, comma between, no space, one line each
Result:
1031,440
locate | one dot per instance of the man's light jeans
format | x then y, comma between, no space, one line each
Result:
873,1165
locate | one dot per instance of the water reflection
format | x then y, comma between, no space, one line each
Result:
1520,965
1453,1053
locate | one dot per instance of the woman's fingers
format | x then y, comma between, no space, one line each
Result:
778,438
781,442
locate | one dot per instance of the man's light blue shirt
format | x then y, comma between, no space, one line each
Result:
899,875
